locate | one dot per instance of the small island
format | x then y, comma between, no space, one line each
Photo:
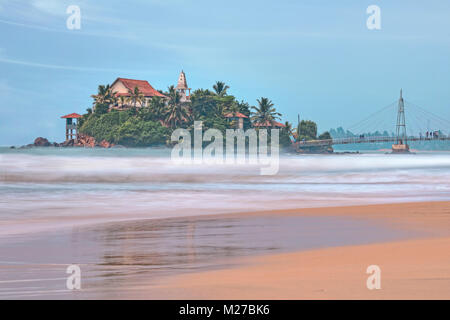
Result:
131,113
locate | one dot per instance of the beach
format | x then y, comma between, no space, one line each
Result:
141,227
412,269
245,151
409,242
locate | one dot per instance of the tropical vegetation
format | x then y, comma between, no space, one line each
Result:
122,120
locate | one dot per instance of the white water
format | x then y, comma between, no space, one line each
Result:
44,189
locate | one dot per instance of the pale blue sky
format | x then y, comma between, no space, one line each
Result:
316,58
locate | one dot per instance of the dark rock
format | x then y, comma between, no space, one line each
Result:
67,143
86,141
316,150
41,142
105,144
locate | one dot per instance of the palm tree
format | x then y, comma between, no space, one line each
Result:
289,130
100,97
173,95
136,96
105,95
265,112
112,97
233,108
122,100
157,107
288,127
203,103
176,112
220,88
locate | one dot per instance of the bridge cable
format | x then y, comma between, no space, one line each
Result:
370,116
429,113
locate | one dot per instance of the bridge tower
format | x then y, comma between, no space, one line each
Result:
401,143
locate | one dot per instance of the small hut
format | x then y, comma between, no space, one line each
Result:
237,118
269,125
71,125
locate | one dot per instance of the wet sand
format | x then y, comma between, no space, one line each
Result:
409,270
282,254
116,257
412,269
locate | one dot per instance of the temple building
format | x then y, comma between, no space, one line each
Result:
123,86
183,89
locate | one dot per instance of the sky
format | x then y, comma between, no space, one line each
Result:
316,58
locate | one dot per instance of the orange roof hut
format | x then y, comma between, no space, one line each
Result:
71,126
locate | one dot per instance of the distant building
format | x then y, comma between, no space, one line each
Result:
183,89
268,124
237,118
123,86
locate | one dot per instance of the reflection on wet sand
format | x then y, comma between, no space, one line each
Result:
117,256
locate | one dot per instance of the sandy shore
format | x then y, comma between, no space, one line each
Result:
413,269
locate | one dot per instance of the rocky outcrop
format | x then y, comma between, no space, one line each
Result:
85,141
67,143
88,141
41,142
82,141
316,150
106,144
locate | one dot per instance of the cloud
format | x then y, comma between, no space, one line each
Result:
5,88
89,12
12,23
53,7
82,32
57,67
2,4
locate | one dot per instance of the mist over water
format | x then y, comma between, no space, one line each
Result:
51,188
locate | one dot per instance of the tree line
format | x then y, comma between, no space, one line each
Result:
133,120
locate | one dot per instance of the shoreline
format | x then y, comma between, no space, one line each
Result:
64,224
411,269
305,253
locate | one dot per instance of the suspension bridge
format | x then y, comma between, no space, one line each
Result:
400,139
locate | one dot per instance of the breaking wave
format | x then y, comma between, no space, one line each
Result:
70,187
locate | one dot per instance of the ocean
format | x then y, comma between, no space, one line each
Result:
51,188
131,216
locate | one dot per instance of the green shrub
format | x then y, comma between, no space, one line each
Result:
325,136
122,127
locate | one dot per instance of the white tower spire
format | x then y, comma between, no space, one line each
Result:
182,87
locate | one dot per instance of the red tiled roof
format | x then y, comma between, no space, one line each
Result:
143,86
268,124
235,115
72,115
